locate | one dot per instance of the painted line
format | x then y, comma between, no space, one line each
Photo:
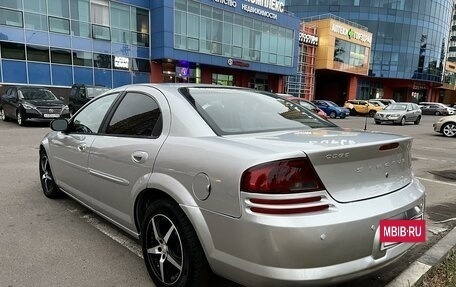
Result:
115,235
437,181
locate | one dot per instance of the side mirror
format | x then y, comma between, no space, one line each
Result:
59,125
62,98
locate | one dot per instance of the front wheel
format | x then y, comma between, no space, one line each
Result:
402,121
3,115
50,188
20,119
417,121
437,113
332,115
449,129
372,113
172,252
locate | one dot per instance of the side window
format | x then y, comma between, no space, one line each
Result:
8,92
89,119
14,93
136,115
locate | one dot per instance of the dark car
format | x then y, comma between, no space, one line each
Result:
437,109
29,103
80,94
332,109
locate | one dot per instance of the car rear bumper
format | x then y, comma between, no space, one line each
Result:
317,248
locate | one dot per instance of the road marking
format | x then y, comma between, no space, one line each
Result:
437,181
115,235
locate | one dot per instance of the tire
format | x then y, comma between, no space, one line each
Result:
353,112
372,113
172,252
402,123
332,115
449,129
20,119
377,122
50,188
437,113
417,121
3,115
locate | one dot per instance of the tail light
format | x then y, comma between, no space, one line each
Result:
285,177
281,177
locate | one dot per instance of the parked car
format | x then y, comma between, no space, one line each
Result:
399,113
385,102
80,94
332,109
229,180
436,109
30,103
305,103
446,126
363,107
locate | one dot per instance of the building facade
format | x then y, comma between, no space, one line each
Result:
56,43
409,44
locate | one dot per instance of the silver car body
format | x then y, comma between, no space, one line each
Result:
399,113
363,184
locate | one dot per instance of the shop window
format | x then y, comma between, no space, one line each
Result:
12,51
59,25
60,56
81,58
37,53
140,65
35,21
222,79
11,18
102,61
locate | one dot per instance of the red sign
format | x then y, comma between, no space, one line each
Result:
392,231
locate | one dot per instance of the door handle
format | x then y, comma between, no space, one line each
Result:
82,147
139,156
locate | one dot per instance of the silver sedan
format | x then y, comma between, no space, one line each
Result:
228,180
399,113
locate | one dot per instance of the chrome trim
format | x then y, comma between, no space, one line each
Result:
109,177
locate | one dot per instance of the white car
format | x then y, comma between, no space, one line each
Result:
446,126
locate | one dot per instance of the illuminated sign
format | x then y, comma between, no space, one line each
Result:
352,34
265,8
305,38
232,62
121,62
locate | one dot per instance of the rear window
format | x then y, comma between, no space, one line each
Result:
236,111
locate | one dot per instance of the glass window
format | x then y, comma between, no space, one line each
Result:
11,18
38,53
99,12
59,25
81,58
101,32
88,120
120,15
60,56
15,4
102,61
35,21
139,20
140,65
136,115
80,10
59,8
180,27
81,29
37,6
140,39
120,36
12,51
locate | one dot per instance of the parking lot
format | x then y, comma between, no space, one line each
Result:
60,243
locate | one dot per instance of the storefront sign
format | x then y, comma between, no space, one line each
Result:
265,8
305,38
121,62
232,62
231,3
352,34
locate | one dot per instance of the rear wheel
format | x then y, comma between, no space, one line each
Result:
50,188
417,121
332,115
3,115
449,129
172,252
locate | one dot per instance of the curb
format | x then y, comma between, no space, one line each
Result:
436,254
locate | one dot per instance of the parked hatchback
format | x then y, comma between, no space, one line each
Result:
254,188
80,94
399,113
30,103
363,107
332,109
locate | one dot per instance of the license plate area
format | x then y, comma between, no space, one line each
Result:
51,115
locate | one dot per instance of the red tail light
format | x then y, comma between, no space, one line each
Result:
281,177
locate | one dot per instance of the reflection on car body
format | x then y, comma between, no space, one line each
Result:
211,177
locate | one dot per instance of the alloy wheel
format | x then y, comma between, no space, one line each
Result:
403,121
332,115
47,180
2,114
20,121
164,249
449,130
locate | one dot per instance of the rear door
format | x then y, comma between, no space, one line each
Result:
121,160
